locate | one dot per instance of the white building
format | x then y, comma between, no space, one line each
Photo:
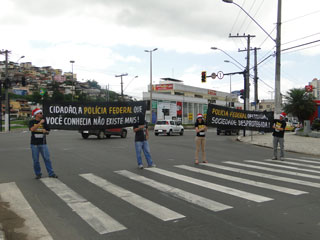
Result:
315,88
171,99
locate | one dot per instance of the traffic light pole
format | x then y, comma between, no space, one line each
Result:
0,106
7,102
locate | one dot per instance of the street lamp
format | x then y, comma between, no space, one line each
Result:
151,51
215,48
278,51
130,82
19,59
72,62
227,61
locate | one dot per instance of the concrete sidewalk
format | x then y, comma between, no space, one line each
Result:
292,142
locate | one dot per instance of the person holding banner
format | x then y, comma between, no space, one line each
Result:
279,127
201,129
39,129
141,143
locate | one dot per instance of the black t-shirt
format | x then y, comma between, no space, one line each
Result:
37,137
200,125
141,135
279,124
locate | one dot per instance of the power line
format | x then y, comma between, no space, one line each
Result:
301,38
308,14
246,19
302,49
301,45
254,15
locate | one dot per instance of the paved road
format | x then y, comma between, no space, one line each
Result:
100,193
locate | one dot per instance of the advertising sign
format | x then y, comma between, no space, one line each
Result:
308,88
212,92
164,87
226,118
93,116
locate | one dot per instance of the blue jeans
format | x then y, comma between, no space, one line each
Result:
146,150
43,149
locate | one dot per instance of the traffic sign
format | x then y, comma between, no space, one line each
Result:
213,75
220,75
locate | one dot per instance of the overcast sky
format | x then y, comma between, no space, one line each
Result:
108,37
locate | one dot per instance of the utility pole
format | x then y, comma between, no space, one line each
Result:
122,75
7,103
246,75
107,89
256,99
255,68
247,72
151,51
73,87
277,99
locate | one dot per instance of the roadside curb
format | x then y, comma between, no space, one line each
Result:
293,143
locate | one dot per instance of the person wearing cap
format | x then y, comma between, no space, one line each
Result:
279,126
39,129
201,129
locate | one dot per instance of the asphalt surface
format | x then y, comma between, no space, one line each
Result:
285,217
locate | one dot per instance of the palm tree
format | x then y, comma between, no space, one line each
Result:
299,103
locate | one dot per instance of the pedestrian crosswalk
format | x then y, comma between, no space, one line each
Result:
292,178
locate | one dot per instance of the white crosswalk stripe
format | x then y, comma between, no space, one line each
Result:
264,175
143,204
243,180
303,160
273,170
96,218
296,164
212,186
278,164
102,223
176,192
33,227
311,158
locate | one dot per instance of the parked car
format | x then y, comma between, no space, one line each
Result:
315,126
122,132
227,131
168,127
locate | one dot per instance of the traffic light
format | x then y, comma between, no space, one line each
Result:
242,95
204,76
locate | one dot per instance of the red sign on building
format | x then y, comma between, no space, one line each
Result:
179,109
308,88
212,92
164,87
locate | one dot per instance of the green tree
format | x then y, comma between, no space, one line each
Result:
35,97
299,103
94,84
57,96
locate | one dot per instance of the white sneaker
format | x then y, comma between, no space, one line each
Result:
153,165
140,166
274,158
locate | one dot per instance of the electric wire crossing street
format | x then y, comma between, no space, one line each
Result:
301,172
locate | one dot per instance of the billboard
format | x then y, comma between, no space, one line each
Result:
231,118
163,87
94,116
